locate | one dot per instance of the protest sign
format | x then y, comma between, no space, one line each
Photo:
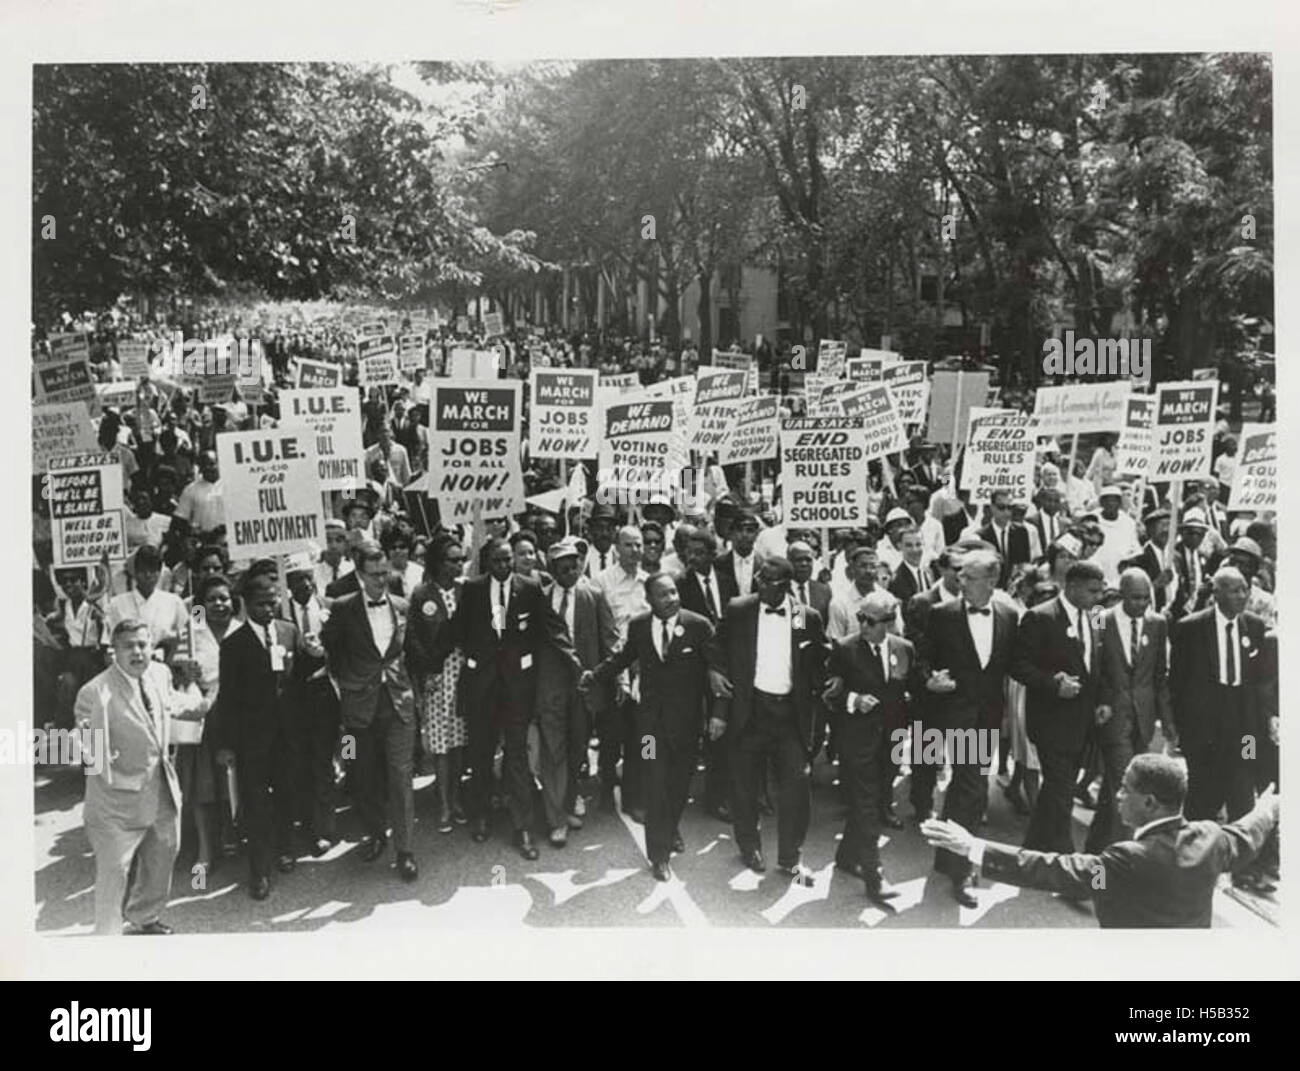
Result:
373,329
952,394
410,352
378,346
378,371
215,390
69,345
863,369
755,432
334,416
1136,438
85,494
1254,480
474,435
312,374
1184,429
134,359
1000,455
64,381
465,363
640,445
492,324
882,429
119,395
624,382
814,386
717,390
562,413
833,393
272,491
831,354
909,387
823,462
58,430
730,359
1078,408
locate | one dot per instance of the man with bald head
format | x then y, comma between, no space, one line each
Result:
1223,680
1132,693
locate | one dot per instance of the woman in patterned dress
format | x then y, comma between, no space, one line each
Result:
444,731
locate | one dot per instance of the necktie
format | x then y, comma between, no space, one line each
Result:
1230,654
334,570
803,593
663,643
708,595
564,606
148,706
1133,642
875,653
499,622
603,554
376,602
779,611
973,610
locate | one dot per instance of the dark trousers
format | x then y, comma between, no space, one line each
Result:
563,734
501,719
618,738
667,781
717,774
1051,826
381,774
770,735
1117,741
963,803
1217,775
314,773
265,771
863,741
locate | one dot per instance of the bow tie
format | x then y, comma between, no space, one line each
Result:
376,602
779,612
976,610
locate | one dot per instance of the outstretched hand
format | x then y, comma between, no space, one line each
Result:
948,835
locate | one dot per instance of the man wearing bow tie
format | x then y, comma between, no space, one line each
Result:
133,799
364,640
1056,660
1133,693
963,654
773,650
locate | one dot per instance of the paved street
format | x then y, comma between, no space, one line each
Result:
600,880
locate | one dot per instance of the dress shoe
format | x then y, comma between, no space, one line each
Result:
661,871
722,812
754,860
573,821
320,846
458,814
286,863
480,833
157,928
961,892
524,841
878,889
798,875
260,888
444,821
373,848
559,836
406,867
679,845
856,869
579,809
890,820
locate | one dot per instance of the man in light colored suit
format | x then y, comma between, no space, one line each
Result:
1132,693
364,641
1165,876
564,716
133,798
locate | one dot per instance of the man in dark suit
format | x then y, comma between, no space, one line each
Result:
964,654
909,578
945,589
1189,566
740,563
924,471
1056,661
671,647
1151,558
1223,680
501,624
872,672
365,640
706,589
257,727
810,592
1010,540
1049,522
1165,876
564,716
1132,693
773,651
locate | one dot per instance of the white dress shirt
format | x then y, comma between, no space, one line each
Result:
1125,625
596,563
82,627
744,570
981,632
499,591
1072,613
381,622
657,634
772,669
311,618
162,611
882,653
325,574
1221,638
625,593
557,600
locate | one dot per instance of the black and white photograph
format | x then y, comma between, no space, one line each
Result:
806,492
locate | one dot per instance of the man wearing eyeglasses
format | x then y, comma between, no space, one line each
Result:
873,669
1011,540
